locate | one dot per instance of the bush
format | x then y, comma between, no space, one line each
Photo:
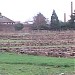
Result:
18,26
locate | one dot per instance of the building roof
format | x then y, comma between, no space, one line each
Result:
4,19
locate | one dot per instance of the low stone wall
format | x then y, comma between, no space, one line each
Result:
48,43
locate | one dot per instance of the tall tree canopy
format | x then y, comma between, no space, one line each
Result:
39,21
54,21
72,21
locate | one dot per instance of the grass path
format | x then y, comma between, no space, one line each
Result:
17,64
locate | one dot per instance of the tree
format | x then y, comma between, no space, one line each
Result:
18,26
63,25
72,21
39,21
54,21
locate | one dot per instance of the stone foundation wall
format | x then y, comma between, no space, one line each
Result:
48,43
5,28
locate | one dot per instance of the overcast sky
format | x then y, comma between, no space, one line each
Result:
24,10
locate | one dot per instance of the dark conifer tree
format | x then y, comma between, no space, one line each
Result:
72,21
54,21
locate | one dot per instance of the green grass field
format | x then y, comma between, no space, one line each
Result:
18,64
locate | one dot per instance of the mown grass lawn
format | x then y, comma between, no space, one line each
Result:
18,64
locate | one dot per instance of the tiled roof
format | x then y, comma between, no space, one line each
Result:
4,19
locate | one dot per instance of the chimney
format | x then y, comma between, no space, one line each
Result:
71,8
64,17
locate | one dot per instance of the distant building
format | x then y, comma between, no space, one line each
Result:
5,20
6,24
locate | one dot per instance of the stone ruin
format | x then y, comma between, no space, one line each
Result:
44,43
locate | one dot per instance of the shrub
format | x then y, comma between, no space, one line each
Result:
18,26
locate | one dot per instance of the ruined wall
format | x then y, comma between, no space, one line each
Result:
48,43
7,28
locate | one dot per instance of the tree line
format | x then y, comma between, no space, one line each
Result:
40,23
